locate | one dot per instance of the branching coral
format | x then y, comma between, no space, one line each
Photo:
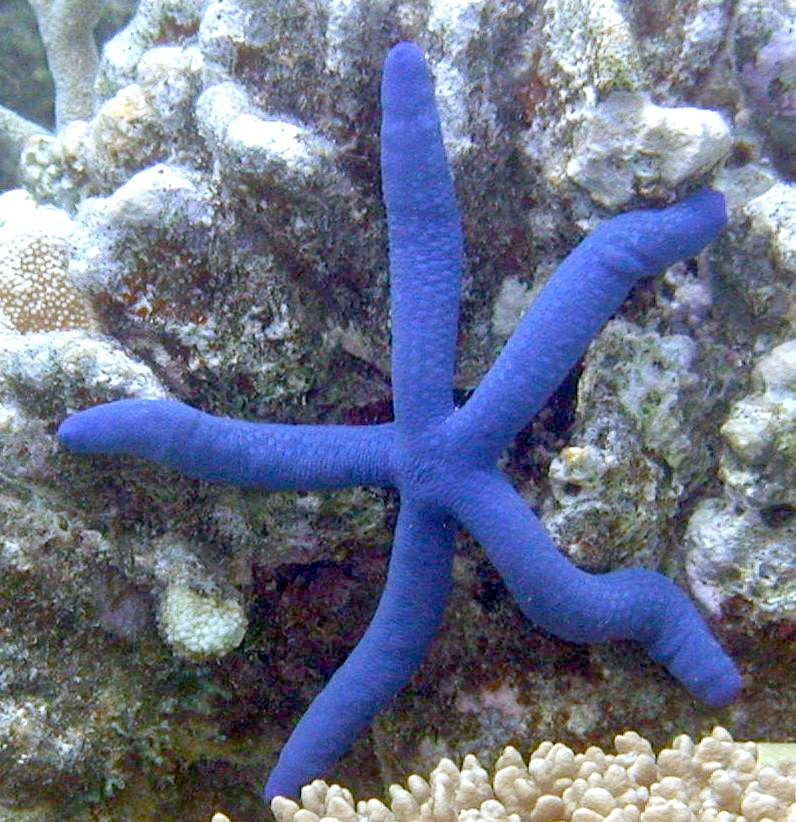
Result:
67,32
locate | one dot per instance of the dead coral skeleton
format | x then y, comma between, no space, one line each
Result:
714,779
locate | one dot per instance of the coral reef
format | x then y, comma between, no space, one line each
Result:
713,779
249,278
765,58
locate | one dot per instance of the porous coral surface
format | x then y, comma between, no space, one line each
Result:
224,220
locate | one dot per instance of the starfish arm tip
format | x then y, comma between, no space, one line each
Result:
389,652
132,426
693,656
425,241
218,449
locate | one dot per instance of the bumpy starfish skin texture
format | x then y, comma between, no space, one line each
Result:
441,459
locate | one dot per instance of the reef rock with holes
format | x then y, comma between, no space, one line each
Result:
742,546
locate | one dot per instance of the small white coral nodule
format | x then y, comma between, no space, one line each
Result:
198,625
715,779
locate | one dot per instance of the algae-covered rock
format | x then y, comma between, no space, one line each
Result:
630,464
759,465
736,555
755,287
741,548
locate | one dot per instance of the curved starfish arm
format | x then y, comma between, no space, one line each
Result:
580,607
425,241
394,645
580,296
219,449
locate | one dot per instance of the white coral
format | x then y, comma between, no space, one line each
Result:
716,778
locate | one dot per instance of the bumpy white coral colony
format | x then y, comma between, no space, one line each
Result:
200,625
715,780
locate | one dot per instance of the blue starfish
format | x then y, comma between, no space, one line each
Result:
442,459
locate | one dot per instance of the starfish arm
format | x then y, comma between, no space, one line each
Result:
425,241
219,449
580,296
580,607
394,645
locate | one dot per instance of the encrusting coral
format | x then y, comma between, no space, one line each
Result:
35,292
714,779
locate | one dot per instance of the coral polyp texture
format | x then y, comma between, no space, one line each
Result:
713,780
442,459
36,290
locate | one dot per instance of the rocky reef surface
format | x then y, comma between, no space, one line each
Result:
213,232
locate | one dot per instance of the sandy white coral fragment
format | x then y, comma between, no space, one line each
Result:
198,625
733,553
628,143
509,306
237,134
